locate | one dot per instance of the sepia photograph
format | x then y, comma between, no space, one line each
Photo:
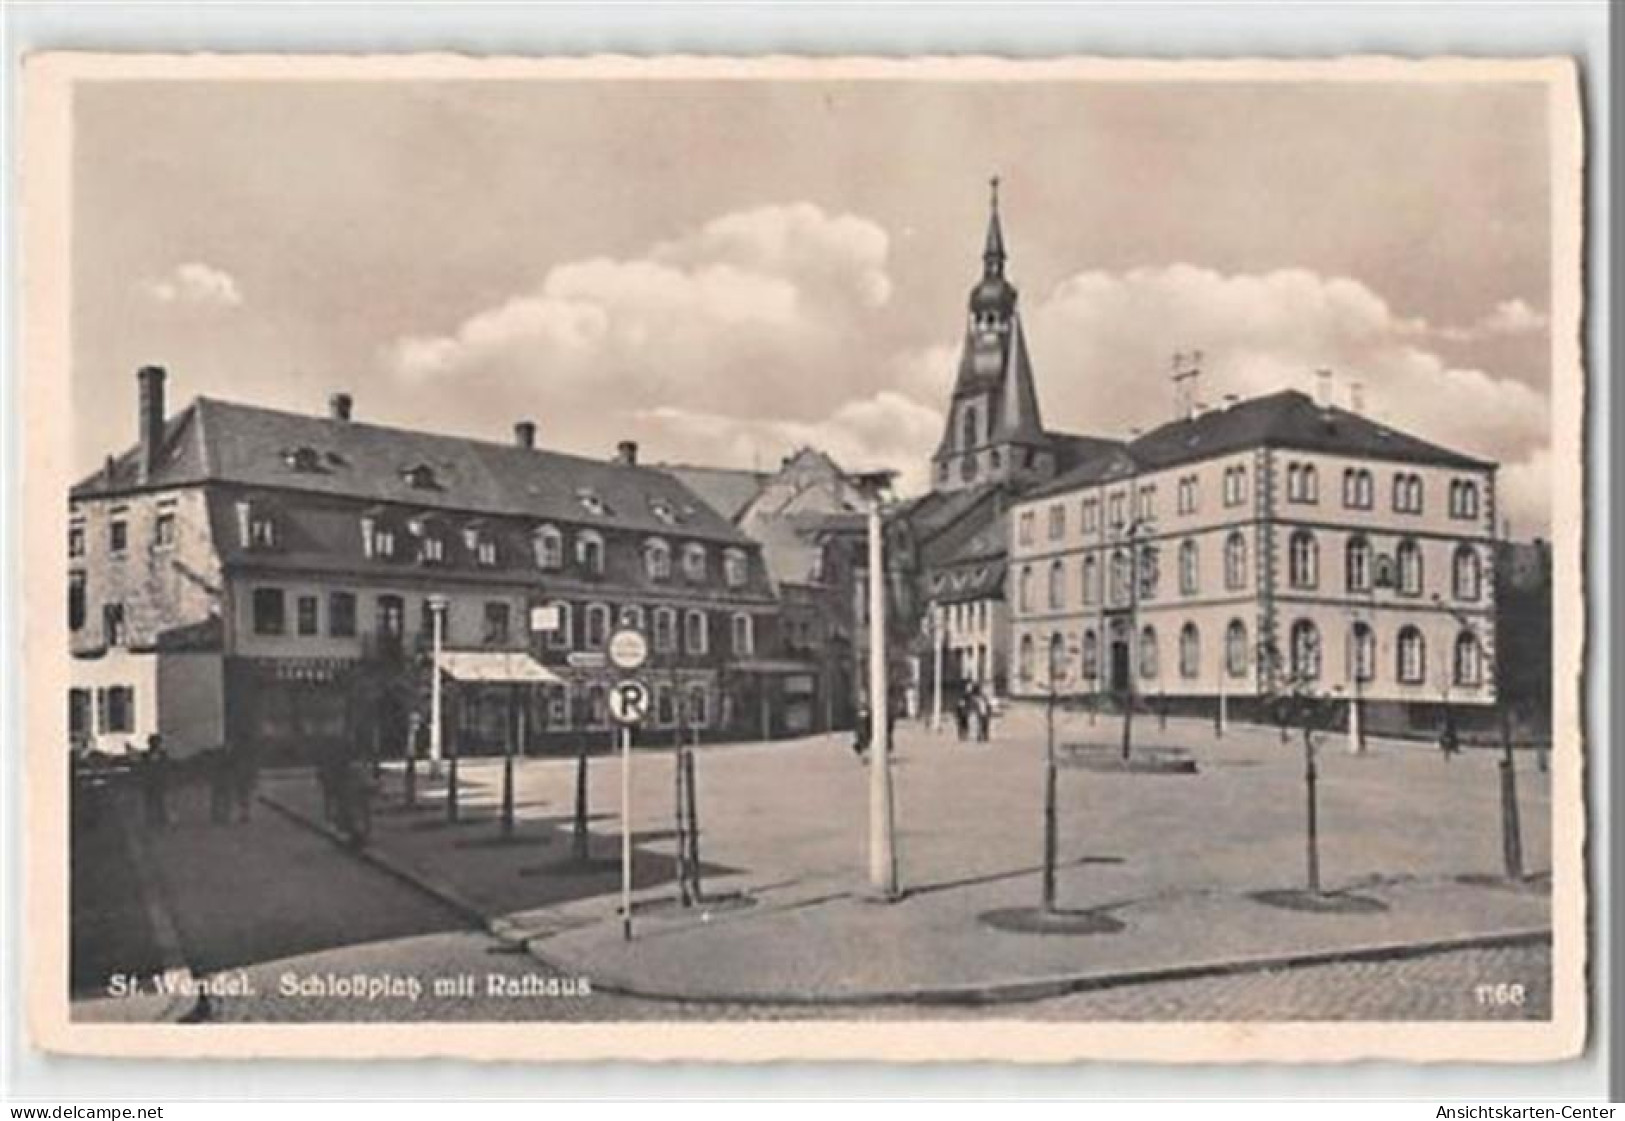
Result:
788,558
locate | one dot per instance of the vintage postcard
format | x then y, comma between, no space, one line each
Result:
910,560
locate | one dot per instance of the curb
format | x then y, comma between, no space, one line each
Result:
1047,988
998,992
434,886
190,1004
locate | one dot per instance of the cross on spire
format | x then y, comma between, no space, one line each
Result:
993,255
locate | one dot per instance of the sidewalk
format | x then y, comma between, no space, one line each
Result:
1168,869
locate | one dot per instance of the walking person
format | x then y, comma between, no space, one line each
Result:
962,715
1449,741
155,781
860,734
984,715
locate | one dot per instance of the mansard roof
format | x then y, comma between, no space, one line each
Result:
224,442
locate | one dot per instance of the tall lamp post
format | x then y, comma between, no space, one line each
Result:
882,826
1511,825
437,626
1131,534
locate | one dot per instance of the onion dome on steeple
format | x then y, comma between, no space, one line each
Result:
993,293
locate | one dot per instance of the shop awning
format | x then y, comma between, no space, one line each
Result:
509,666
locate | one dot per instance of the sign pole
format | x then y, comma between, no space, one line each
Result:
626,832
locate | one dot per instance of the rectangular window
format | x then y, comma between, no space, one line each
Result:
665,630
1116,506
79,714
1091,515
695,639
76,600
269,611
1057,522
117,708
118,535
307,615
76,539
1024,528
496,624
341,614
113,630
163,526
665,710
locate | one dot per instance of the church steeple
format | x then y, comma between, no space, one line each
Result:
994,432
993,256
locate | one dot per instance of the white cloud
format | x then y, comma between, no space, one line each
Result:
196,284
1509,318
886,430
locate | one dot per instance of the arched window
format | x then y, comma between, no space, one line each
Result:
694,561
665,630
1303,560
1357,564
549,545
1091,656
657,559
1091,579
1363,651
1463,499
1057,585
597,626
1055,668
1235,561
1024,585
699,708
968,432
1190,651
1305,651
1469,662
1411,652
1024,658
694,633
1408,559
590,552
563,638
1466,573
1120,576
1235,648
742,631
1148,652
1189,568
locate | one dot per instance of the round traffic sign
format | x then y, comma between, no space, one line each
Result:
628,649
629,701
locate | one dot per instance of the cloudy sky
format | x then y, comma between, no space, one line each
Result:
726,270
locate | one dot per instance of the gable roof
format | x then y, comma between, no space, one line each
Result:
726,490
215,441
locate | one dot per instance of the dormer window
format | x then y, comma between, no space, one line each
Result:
256,526
302,458
591,503
432,549
657,559
733,568
420,476
481,544
590,552
694,561
548,543
377,537
663,510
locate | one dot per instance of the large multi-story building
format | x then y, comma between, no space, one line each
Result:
1276,542
242,574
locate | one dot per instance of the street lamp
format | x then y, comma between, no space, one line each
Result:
1131,534
882,841
437,623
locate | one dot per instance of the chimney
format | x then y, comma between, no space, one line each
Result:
151,418
524,434
626,453
1187,370
1323,388
1357,398
340,405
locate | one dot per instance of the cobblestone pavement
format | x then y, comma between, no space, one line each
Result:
1436,987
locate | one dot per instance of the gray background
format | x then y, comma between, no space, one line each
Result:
1167,30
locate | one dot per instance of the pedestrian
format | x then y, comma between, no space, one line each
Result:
860,734
984,716
155,781
962,715
245,777
217,766
1449,742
